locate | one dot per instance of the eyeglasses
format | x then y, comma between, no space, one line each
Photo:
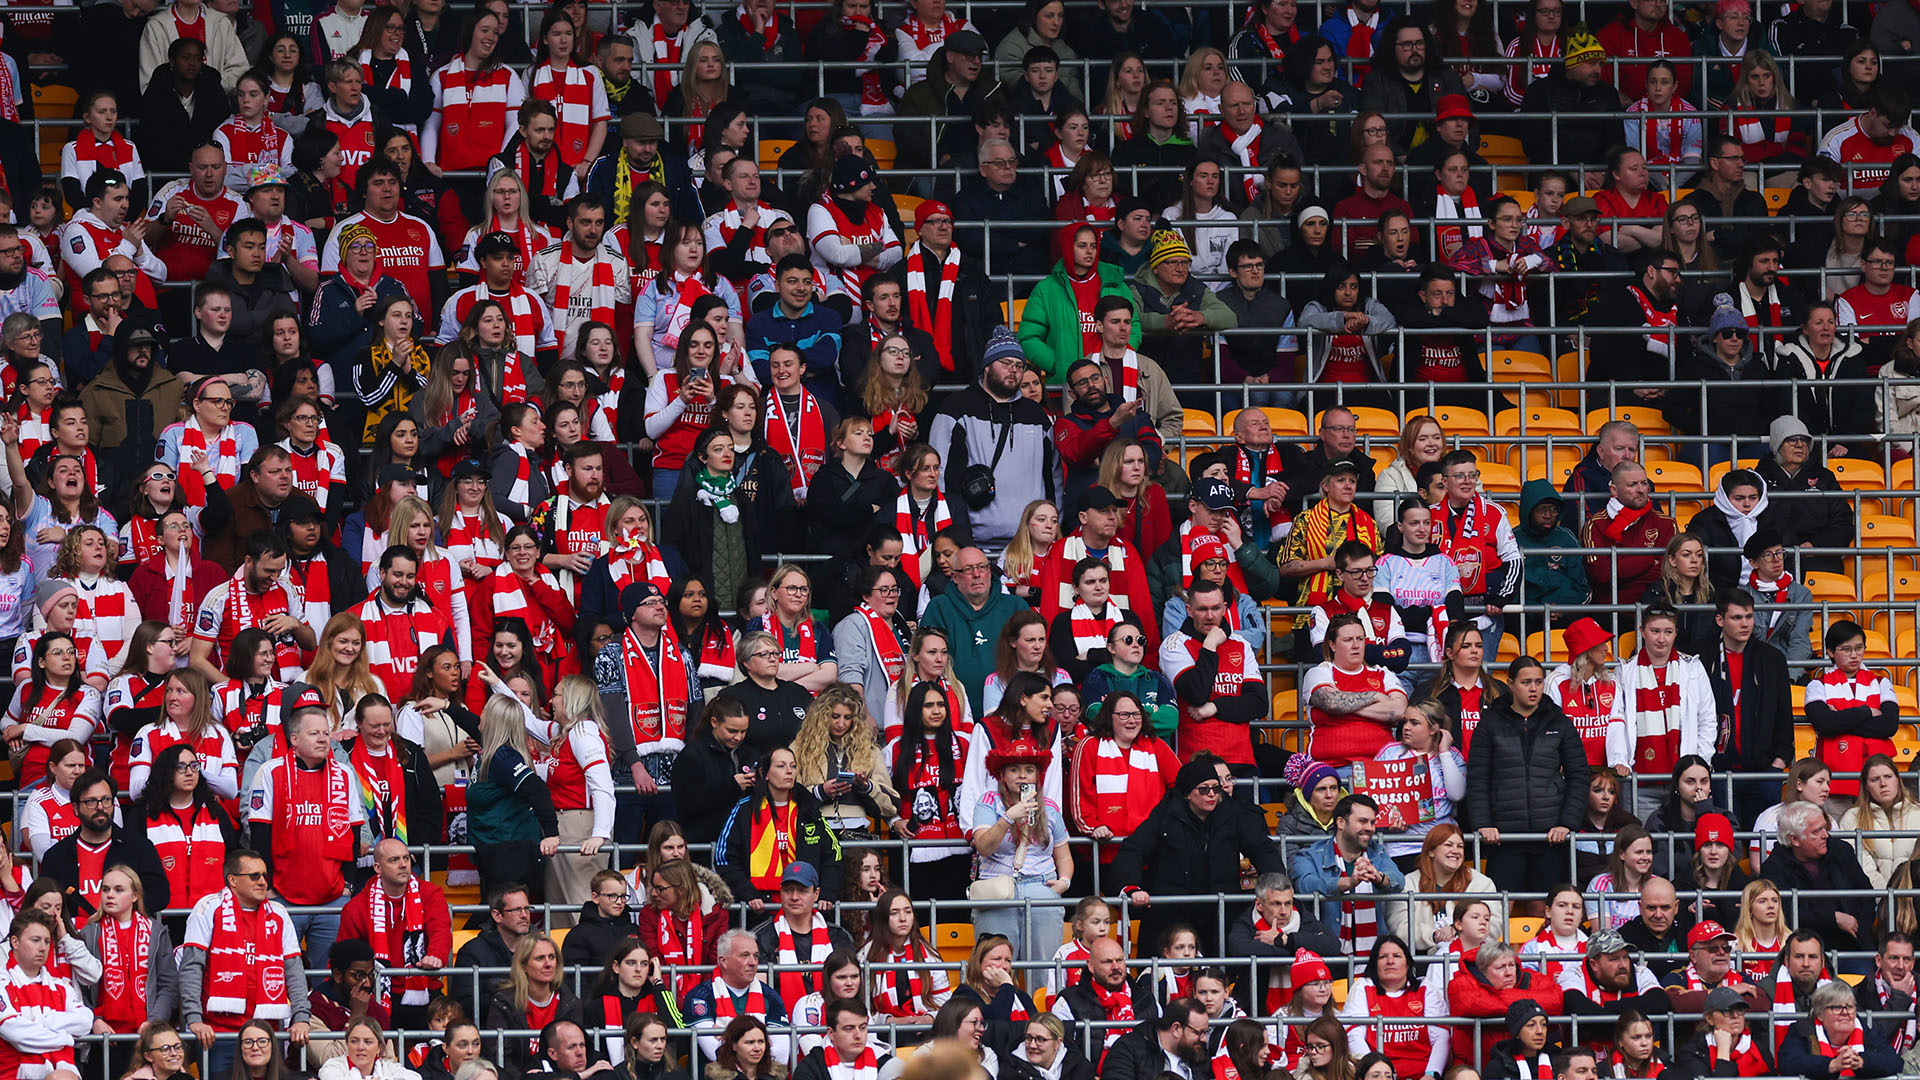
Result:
1001,163
976,568
1360,571
227,401
1084,381
1319,1048
619,896
795,590
256,875
100,800
1344,429
255,1044
523,909
186,766
1879,262
887,590
764,654
1474,475
169,1048
1774,553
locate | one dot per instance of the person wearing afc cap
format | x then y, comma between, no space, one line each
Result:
954,87
636,160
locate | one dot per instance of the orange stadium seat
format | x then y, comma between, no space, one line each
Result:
1455,420
1648,420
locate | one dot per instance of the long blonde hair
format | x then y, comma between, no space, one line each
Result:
1017,562
862,752
1190,75
1868,814
1110,460
523,952
1670,583
1742,95
579,704
1745,932
490,521
502,724
691,92
502,177
405,512
329,678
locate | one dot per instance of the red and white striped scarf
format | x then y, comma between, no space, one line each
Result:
513,597
1856,1041
886,644
1464,208
666,60
1127,783
125,953
1359,917
935,317
522,490
1751,129
804,451
1246,150
1190,537
1909,1033
226,460
1090,630
873,90
1662,141
864,1067
1783,1009
400,78
917,530
924,36
36,429
902,992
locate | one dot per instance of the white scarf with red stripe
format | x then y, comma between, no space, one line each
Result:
226,459
401,78
924,36
795,972
917,530
1246,149
1126,372
1464,208
1909,1033
1782,1007
804,451
864,1067
666,60
1090,630
522,490
935,317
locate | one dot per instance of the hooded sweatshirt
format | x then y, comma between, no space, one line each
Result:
971,635
1153,689
1551,578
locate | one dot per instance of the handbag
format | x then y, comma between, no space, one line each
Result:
1000,886
977,485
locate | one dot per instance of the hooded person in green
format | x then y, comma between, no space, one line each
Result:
1056,327
1126,670
1551,577
971,613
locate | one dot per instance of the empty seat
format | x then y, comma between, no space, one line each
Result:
1647,419
1675,476
1197,422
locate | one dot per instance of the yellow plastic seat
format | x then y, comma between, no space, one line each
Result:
1284,422
907,204
1649,420
1010,315
1286,704
1722,468
1776,198
1536,421
1883,531
559,935
1496,478
1569,367
1675,476
1523,929
1382,456
1455,420
954,940
1554,468
770,151
1197,422
1521,196
1380,423
884,152
1512,365
1856,474
1502,150
1831,588
1548,647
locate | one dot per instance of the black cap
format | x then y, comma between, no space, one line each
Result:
494,243
637,594
398,474
300,507
1214,494
1097,498
135,335
466,467
966,41
1129,205
1344,465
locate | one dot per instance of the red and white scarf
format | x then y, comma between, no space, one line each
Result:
917,530
1909,1033
125,952
241,614
1783,1009
401,78
679,946
886,644
873,89
666,60
226,461
1246,149
902,992
1746,1055
1464,208
245,976
935,316
924,36
1856,1041
797,974
803,451
1127,783
413,948
1090,630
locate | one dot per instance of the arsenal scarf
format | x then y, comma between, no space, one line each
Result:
1191,537
244,976
886,647
935,316
1909,1033
804,451
336,833
1746,1056
240,613
797,973
1090,630
902,992
226,461
1464,208
917,529
679,946
413,929
1127,783
773,843
1619,521
1246,149
125,952
1657,715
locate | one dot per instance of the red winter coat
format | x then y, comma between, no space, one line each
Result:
1468,995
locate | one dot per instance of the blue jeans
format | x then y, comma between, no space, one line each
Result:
1034,932
319,931
665,482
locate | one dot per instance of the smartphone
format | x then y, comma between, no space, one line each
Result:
1026,792
849,777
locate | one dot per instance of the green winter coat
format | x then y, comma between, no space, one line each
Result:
1551,578
1050,325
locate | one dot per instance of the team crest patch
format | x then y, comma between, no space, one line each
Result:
78,244
698,1007
260,800
137,740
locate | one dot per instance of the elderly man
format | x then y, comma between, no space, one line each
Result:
1270,932
1349,870
1659,932
997,193
1178,314
1615,442
737,977
1187,846
1243,146
1709,967
971,614
1831,1041
1339,440
1607,982
1627,521
1808,858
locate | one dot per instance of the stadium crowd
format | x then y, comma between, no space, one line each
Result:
433,426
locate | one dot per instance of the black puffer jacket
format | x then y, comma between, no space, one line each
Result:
1526,774
1174,853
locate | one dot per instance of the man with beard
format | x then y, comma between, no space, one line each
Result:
23,288
1094,421
128,403
573,523
1408,77
102,230
638,159
581,279
78,861
254,597
1607,982
1580,86
329,579
1349,870
944,292
625,94
1174,1042
1103,995
1581,251
1709,966
401,624
1646,304
1773,308
990,426
88,347
884,302
530,155
1629,520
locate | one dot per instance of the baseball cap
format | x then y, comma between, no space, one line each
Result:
495,243
1214,494
1098,497
1706,931
801,873
1723,999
